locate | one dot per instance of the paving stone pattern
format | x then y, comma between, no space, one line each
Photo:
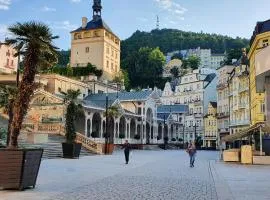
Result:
167,178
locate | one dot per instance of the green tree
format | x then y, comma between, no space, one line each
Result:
144,67
72,114
194,62
39,52
175,72
177,56
233,54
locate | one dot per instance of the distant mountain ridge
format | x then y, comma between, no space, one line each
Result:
169,40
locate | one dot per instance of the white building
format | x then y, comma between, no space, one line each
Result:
196,90
216,60
8,61
223,109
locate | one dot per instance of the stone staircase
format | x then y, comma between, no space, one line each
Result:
53,148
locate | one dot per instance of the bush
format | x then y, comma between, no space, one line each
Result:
173,139
180,140
137,137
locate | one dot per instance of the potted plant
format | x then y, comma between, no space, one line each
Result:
166,139
158,138
19,167
71,149
173,140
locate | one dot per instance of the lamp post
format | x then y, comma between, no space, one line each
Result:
106,114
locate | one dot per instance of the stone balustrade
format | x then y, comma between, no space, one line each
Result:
89,144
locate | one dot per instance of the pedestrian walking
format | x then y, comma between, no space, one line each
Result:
127,148
191,150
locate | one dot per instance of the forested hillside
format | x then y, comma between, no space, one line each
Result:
171,39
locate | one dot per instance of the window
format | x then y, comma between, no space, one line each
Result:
89,91
198,86
262,108
12,63
108,64
112,66
87,50
7,62
108,50
265,43
139,111
116,55
100,92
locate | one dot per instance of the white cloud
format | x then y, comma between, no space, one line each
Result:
48,9
173,7
75,1
4,33
66,25
4,4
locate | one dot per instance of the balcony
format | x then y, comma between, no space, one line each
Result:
223,115
222,86
262,63
223,130
243,89
243,105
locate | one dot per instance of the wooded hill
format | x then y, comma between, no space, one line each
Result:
171,39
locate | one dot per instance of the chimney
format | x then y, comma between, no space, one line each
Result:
84,22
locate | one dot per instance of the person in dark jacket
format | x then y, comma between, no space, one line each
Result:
127,149
191,150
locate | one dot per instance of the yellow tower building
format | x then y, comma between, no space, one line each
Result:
94,42
259,40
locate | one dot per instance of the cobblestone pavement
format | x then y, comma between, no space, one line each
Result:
149,175
168,178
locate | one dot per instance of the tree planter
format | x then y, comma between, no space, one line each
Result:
71,150
19,168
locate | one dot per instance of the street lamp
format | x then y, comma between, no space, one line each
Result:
106,114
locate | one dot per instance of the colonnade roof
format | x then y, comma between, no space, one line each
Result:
121,96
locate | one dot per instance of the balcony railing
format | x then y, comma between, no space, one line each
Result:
243,89
223,115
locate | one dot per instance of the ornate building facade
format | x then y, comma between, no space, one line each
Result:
94,42
211,137
8,61
239,99
223,109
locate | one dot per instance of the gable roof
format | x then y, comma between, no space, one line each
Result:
214,104
95,24
122,96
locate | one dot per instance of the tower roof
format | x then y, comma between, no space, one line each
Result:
97,22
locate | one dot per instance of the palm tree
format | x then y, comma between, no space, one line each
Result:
34,40
112,112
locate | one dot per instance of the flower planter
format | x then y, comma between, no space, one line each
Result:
19,168
71,150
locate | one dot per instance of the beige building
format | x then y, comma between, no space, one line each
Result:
239,99
223,113
210,126
8,62
94,42
57,84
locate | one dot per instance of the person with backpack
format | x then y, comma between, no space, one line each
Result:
191,150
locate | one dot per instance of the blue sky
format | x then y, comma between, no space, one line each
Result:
228,17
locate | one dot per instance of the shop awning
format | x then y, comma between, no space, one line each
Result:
242,134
